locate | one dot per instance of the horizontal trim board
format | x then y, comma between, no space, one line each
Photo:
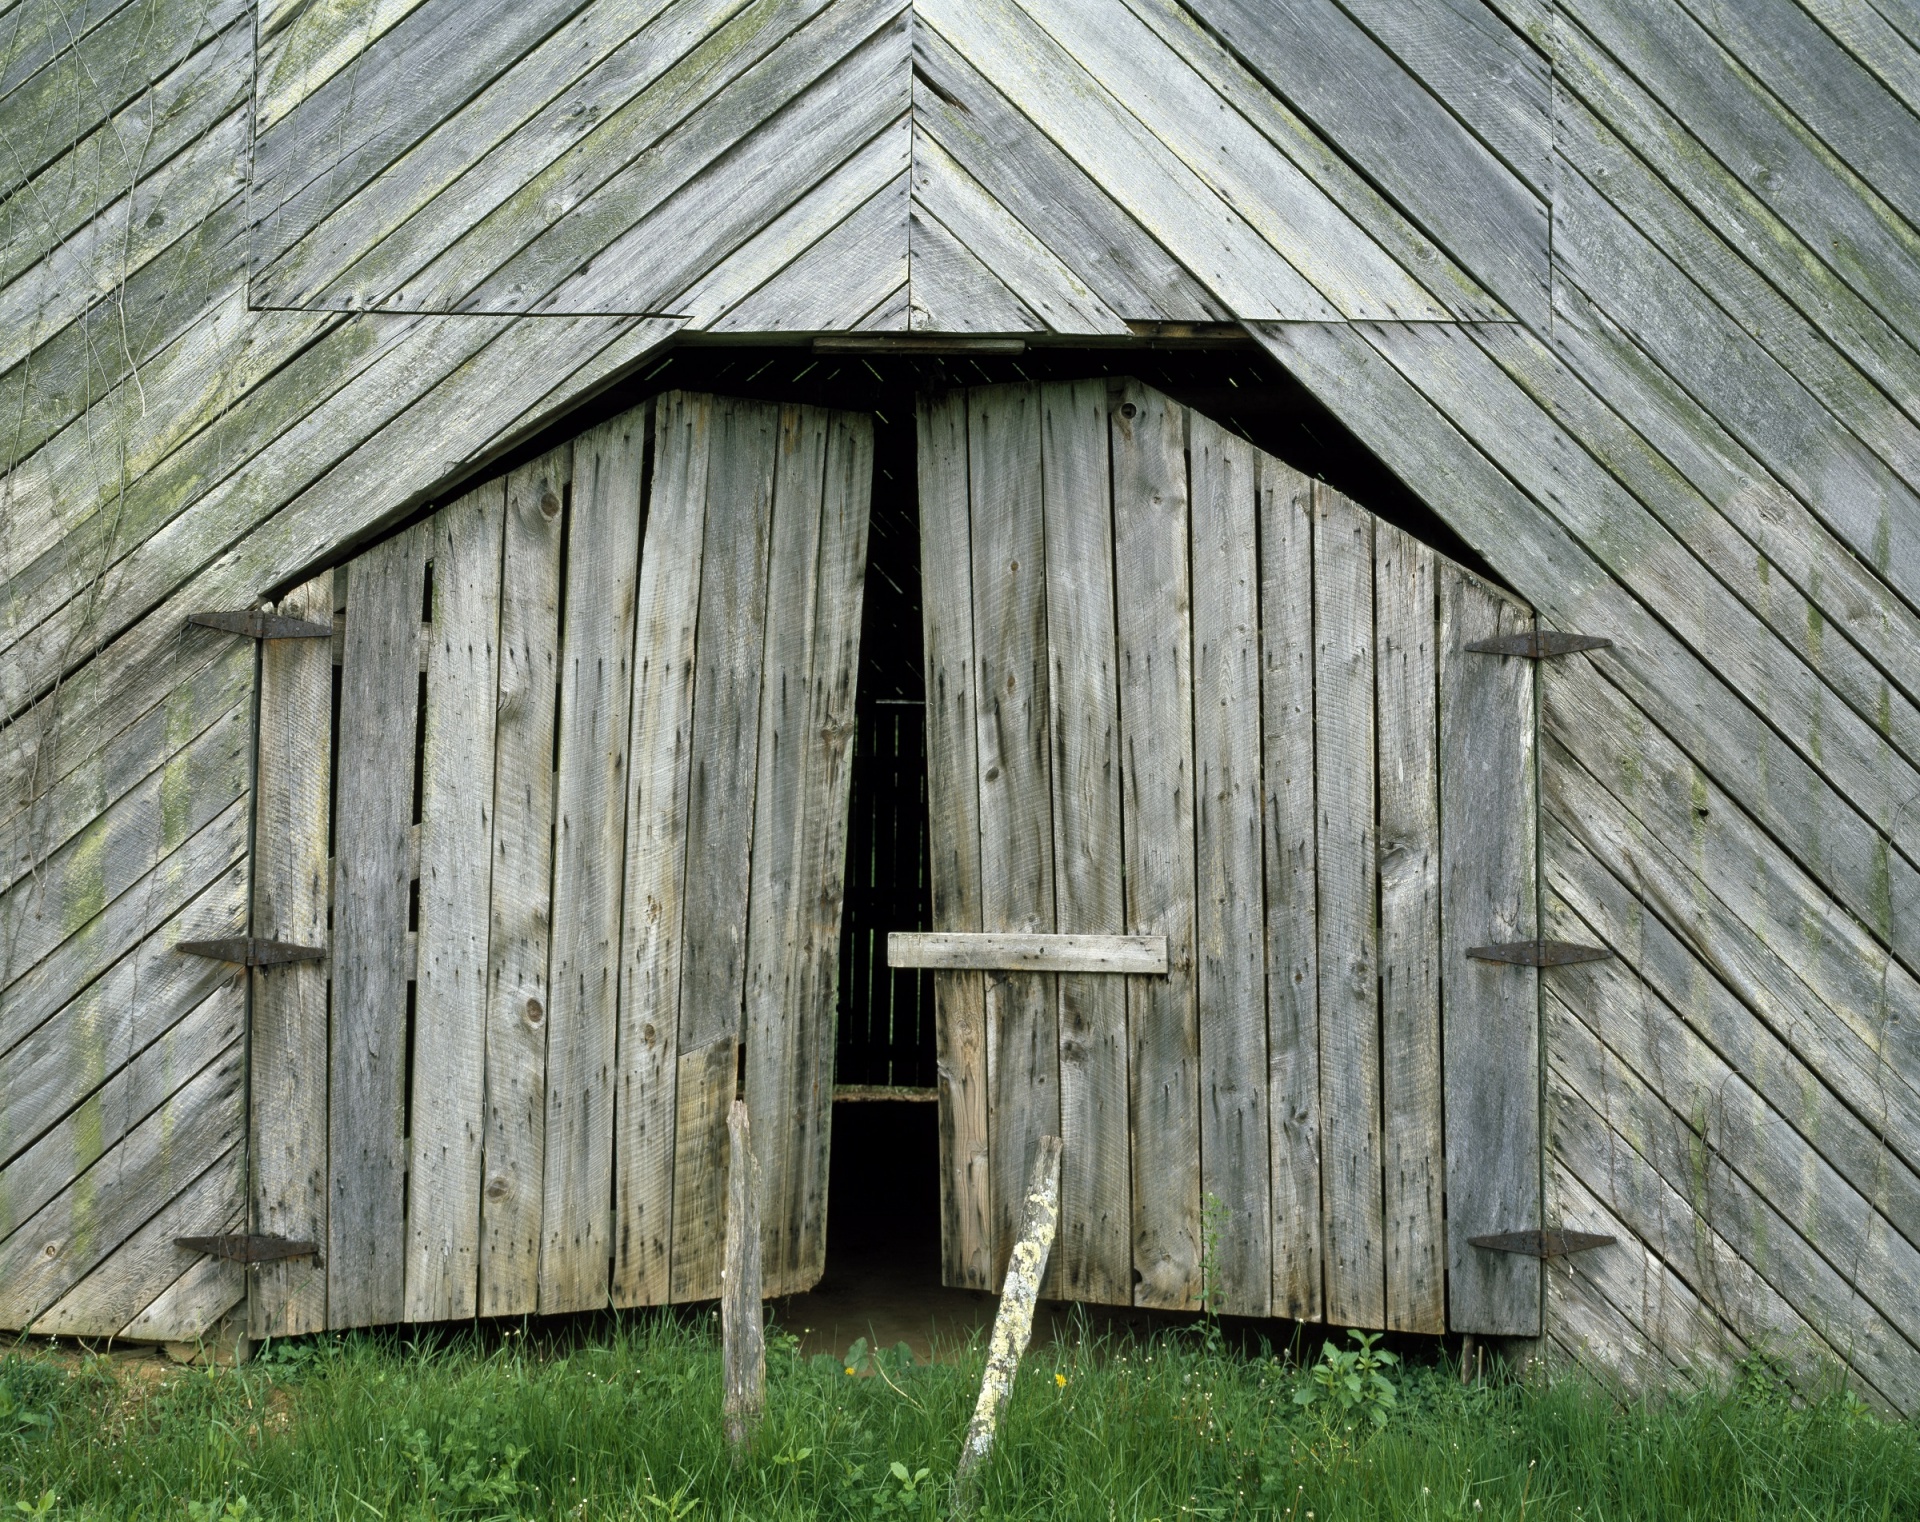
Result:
998,951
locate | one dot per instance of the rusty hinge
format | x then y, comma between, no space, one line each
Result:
252,951
1542,1244
1541,645
1539,953
249,1247
258,625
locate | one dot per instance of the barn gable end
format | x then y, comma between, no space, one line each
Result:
1628,293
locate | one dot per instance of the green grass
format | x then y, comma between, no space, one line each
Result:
629,1427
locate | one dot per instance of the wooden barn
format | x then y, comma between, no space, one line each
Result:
1320,598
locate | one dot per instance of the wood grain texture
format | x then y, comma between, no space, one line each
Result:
1073,107
1050,195
589,808
1009,951
1714,1153
1015,778
1406,628
373,817
953,828
448,1133
1291,874
520,884
1229,933
826,785
156,1160
779,918
1344,735
1334,73
94,1120
654,915
287,1034
1093,1253
1491,1068
1180,108
122,1288
728,655
1153,603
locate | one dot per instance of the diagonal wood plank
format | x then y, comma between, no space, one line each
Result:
1183,113
599,88
1046,192
1017,260
952,291
1339,78
75,1231
839,278
1075,109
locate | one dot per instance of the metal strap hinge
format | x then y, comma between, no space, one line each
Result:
249,1247
252,951
1542,1244
1539,953
258,625
1541,645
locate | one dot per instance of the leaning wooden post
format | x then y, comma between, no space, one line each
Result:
1013,1326
742,1336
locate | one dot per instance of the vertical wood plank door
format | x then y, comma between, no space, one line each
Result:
584,819
1177,688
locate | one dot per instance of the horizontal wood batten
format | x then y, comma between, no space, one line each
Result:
992,951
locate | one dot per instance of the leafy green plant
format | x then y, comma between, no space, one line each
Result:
463,1469
40,1508
903,1492
1352,1382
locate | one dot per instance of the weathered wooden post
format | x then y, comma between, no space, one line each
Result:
743,1337
1013,1326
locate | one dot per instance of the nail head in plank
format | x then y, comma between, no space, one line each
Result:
995,951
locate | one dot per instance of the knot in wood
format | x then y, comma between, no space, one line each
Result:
549,503
536,1012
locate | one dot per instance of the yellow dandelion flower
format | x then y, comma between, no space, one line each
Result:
1060,1380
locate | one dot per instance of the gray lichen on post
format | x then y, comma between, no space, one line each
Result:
1013,1326
742,1336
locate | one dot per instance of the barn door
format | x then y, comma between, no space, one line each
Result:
586,801
1175,689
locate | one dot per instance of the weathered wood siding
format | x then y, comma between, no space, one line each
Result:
1125,780
1707,446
